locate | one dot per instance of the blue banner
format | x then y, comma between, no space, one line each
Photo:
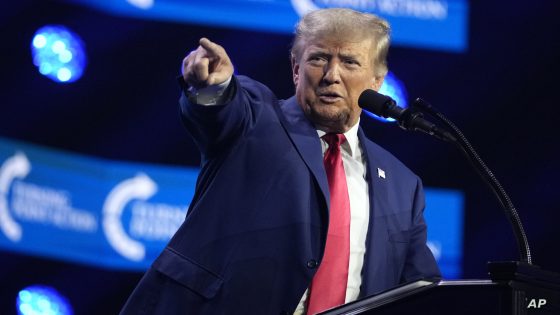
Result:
86,209
445,218
121,215
433,24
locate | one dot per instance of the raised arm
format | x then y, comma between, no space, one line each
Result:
216,107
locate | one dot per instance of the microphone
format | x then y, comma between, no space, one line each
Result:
384,106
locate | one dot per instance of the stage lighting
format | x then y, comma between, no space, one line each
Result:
58,53
395,89
142,4
42,300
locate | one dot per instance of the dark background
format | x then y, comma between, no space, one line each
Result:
502,92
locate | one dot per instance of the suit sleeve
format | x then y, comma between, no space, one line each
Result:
216,128
420,262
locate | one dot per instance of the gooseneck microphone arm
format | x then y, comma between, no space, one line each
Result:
412,119
487,175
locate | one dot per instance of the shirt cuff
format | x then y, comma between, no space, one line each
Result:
210,95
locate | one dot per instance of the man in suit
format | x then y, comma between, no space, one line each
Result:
295,210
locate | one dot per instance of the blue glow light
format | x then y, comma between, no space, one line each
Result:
58,53
42,300
39,41
64,74
58,46
45,68
142,4
395,89
65,56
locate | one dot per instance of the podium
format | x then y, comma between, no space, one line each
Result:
513,288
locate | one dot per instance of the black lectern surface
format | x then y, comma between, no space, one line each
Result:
513,293
441,297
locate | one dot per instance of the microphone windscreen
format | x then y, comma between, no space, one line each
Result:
374,102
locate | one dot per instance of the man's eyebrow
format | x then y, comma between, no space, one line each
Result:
326,54
319,53
349,56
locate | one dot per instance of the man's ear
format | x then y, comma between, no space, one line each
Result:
295,70
378,82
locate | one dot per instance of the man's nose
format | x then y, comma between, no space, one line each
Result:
332,73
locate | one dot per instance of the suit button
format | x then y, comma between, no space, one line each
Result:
311,264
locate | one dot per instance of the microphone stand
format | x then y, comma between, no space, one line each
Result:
464,145
523,270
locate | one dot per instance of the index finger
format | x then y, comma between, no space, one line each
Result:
213,49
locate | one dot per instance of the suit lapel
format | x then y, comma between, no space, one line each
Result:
305,139
375,262
376,177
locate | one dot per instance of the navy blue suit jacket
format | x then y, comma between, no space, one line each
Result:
255,231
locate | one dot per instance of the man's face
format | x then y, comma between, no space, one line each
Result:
329,77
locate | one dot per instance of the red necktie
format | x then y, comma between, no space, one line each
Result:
328,287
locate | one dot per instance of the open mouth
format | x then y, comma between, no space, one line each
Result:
329,97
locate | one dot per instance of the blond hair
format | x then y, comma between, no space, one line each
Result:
345,23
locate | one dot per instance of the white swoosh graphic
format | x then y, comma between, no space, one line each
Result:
138,187
17,166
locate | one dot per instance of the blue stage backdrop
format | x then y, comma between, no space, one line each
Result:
433,24
120,215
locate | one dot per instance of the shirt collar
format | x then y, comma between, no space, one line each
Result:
351,143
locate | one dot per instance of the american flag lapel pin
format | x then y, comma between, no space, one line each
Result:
380,173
